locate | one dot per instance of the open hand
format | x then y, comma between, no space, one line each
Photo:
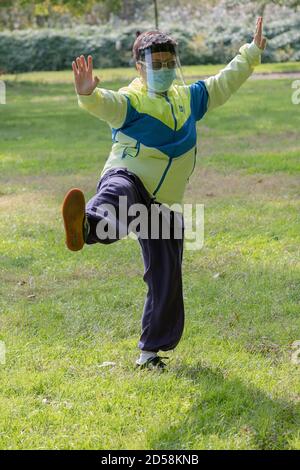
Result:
259,39
85,84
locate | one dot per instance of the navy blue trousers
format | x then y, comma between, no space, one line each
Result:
163,316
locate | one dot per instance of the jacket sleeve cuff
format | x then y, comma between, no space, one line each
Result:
89,99
252,53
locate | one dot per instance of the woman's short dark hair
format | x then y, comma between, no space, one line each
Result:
156,40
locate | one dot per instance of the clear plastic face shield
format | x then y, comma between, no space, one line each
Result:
161,71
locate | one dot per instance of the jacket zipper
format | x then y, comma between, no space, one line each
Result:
172,109
170,158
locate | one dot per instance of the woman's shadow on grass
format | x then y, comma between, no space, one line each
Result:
229,411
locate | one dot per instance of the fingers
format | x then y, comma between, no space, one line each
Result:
75,69
260,40
259,22
256,26
263,43
258,31
81,64
90,63
96,81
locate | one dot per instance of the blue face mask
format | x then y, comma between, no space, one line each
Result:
160,80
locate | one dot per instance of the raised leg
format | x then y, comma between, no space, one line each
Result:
108,196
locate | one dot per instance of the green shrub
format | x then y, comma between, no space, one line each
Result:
53,49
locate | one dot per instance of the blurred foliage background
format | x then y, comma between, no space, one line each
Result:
49,34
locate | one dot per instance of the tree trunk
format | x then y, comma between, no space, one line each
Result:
156,14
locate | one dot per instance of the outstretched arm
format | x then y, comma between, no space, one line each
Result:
107,105
221,86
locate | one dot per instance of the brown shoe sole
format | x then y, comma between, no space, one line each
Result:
73,211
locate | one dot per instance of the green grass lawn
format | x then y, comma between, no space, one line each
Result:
66,76
230,383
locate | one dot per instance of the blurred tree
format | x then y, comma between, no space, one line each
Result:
21,14
18,14
262,4
74,6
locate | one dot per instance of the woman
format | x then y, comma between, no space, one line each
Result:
153,123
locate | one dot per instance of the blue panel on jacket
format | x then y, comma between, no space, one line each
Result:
152,132
199,99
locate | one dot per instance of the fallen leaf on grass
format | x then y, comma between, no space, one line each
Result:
217,275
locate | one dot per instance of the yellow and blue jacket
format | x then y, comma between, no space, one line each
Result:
155,137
